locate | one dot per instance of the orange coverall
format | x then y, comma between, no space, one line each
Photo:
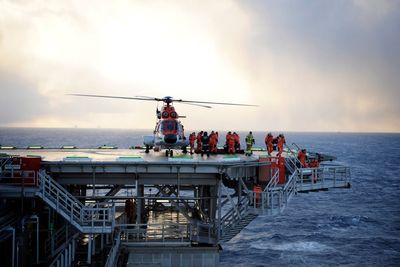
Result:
268,143
302,158
231,144
199,136
192,138
281,141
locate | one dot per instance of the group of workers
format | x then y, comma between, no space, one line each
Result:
304,162
271,143
232,142
206,144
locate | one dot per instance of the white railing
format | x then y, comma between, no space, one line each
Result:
235,214
54,244
66,257
161,232
112,258
96,218
326,176
3,162
290,189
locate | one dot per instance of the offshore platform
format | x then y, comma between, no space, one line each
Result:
125,207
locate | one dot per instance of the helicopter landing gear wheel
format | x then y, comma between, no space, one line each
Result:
166,153
171,153
147,149
184,150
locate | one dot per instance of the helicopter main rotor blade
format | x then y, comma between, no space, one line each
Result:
214,103
120,97
195,104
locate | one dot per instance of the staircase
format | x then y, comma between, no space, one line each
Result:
95,218
236,228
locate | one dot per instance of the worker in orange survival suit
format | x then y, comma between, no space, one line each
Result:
231,141
215,149
213,143
198,138
302,156
268,143
237,141
257,189
192,138
315,165
281,142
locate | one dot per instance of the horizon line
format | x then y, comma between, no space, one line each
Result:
189,130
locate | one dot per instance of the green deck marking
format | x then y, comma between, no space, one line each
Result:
231,157
35,147
182,157
7,147
130,157
68,147
76,157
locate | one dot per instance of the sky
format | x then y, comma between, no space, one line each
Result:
310,65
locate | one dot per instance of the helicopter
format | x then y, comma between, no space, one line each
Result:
169,131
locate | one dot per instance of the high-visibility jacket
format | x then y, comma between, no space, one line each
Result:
249,139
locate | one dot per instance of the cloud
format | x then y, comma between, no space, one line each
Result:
310,65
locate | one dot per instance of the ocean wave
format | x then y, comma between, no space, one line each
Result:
299,246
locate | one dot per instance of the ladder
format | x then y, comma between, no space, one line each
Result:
94,218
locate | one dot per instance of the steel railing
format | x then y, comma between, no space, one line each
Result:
233,216
112,258
160,232
66,257
326,176
95,218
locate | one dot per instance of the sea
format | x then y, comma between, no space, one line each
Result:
359,226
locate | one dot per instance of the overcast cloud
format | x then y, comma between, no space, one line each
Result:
310,65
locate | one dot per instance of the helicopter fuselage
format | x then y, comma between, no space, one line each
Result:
168,133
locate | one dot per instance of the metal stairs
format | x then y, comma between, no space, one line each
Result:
235,229
94,218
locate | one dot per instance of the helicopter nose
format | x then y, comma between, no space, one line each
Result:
170,139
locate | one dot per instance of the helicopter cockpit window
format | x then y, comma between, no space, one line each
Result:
168,125
165,114
173,114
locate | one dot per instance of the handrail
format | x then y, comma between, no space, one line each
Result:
114,251
294,158
98,217
272,182
298,148
67,256
4,162
155,232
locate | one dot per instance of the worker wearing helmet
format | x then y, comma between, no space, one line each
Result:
192,138
237,141
302,156
281,142
249,143
205,140
268,143
213,142
198,139
231,140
